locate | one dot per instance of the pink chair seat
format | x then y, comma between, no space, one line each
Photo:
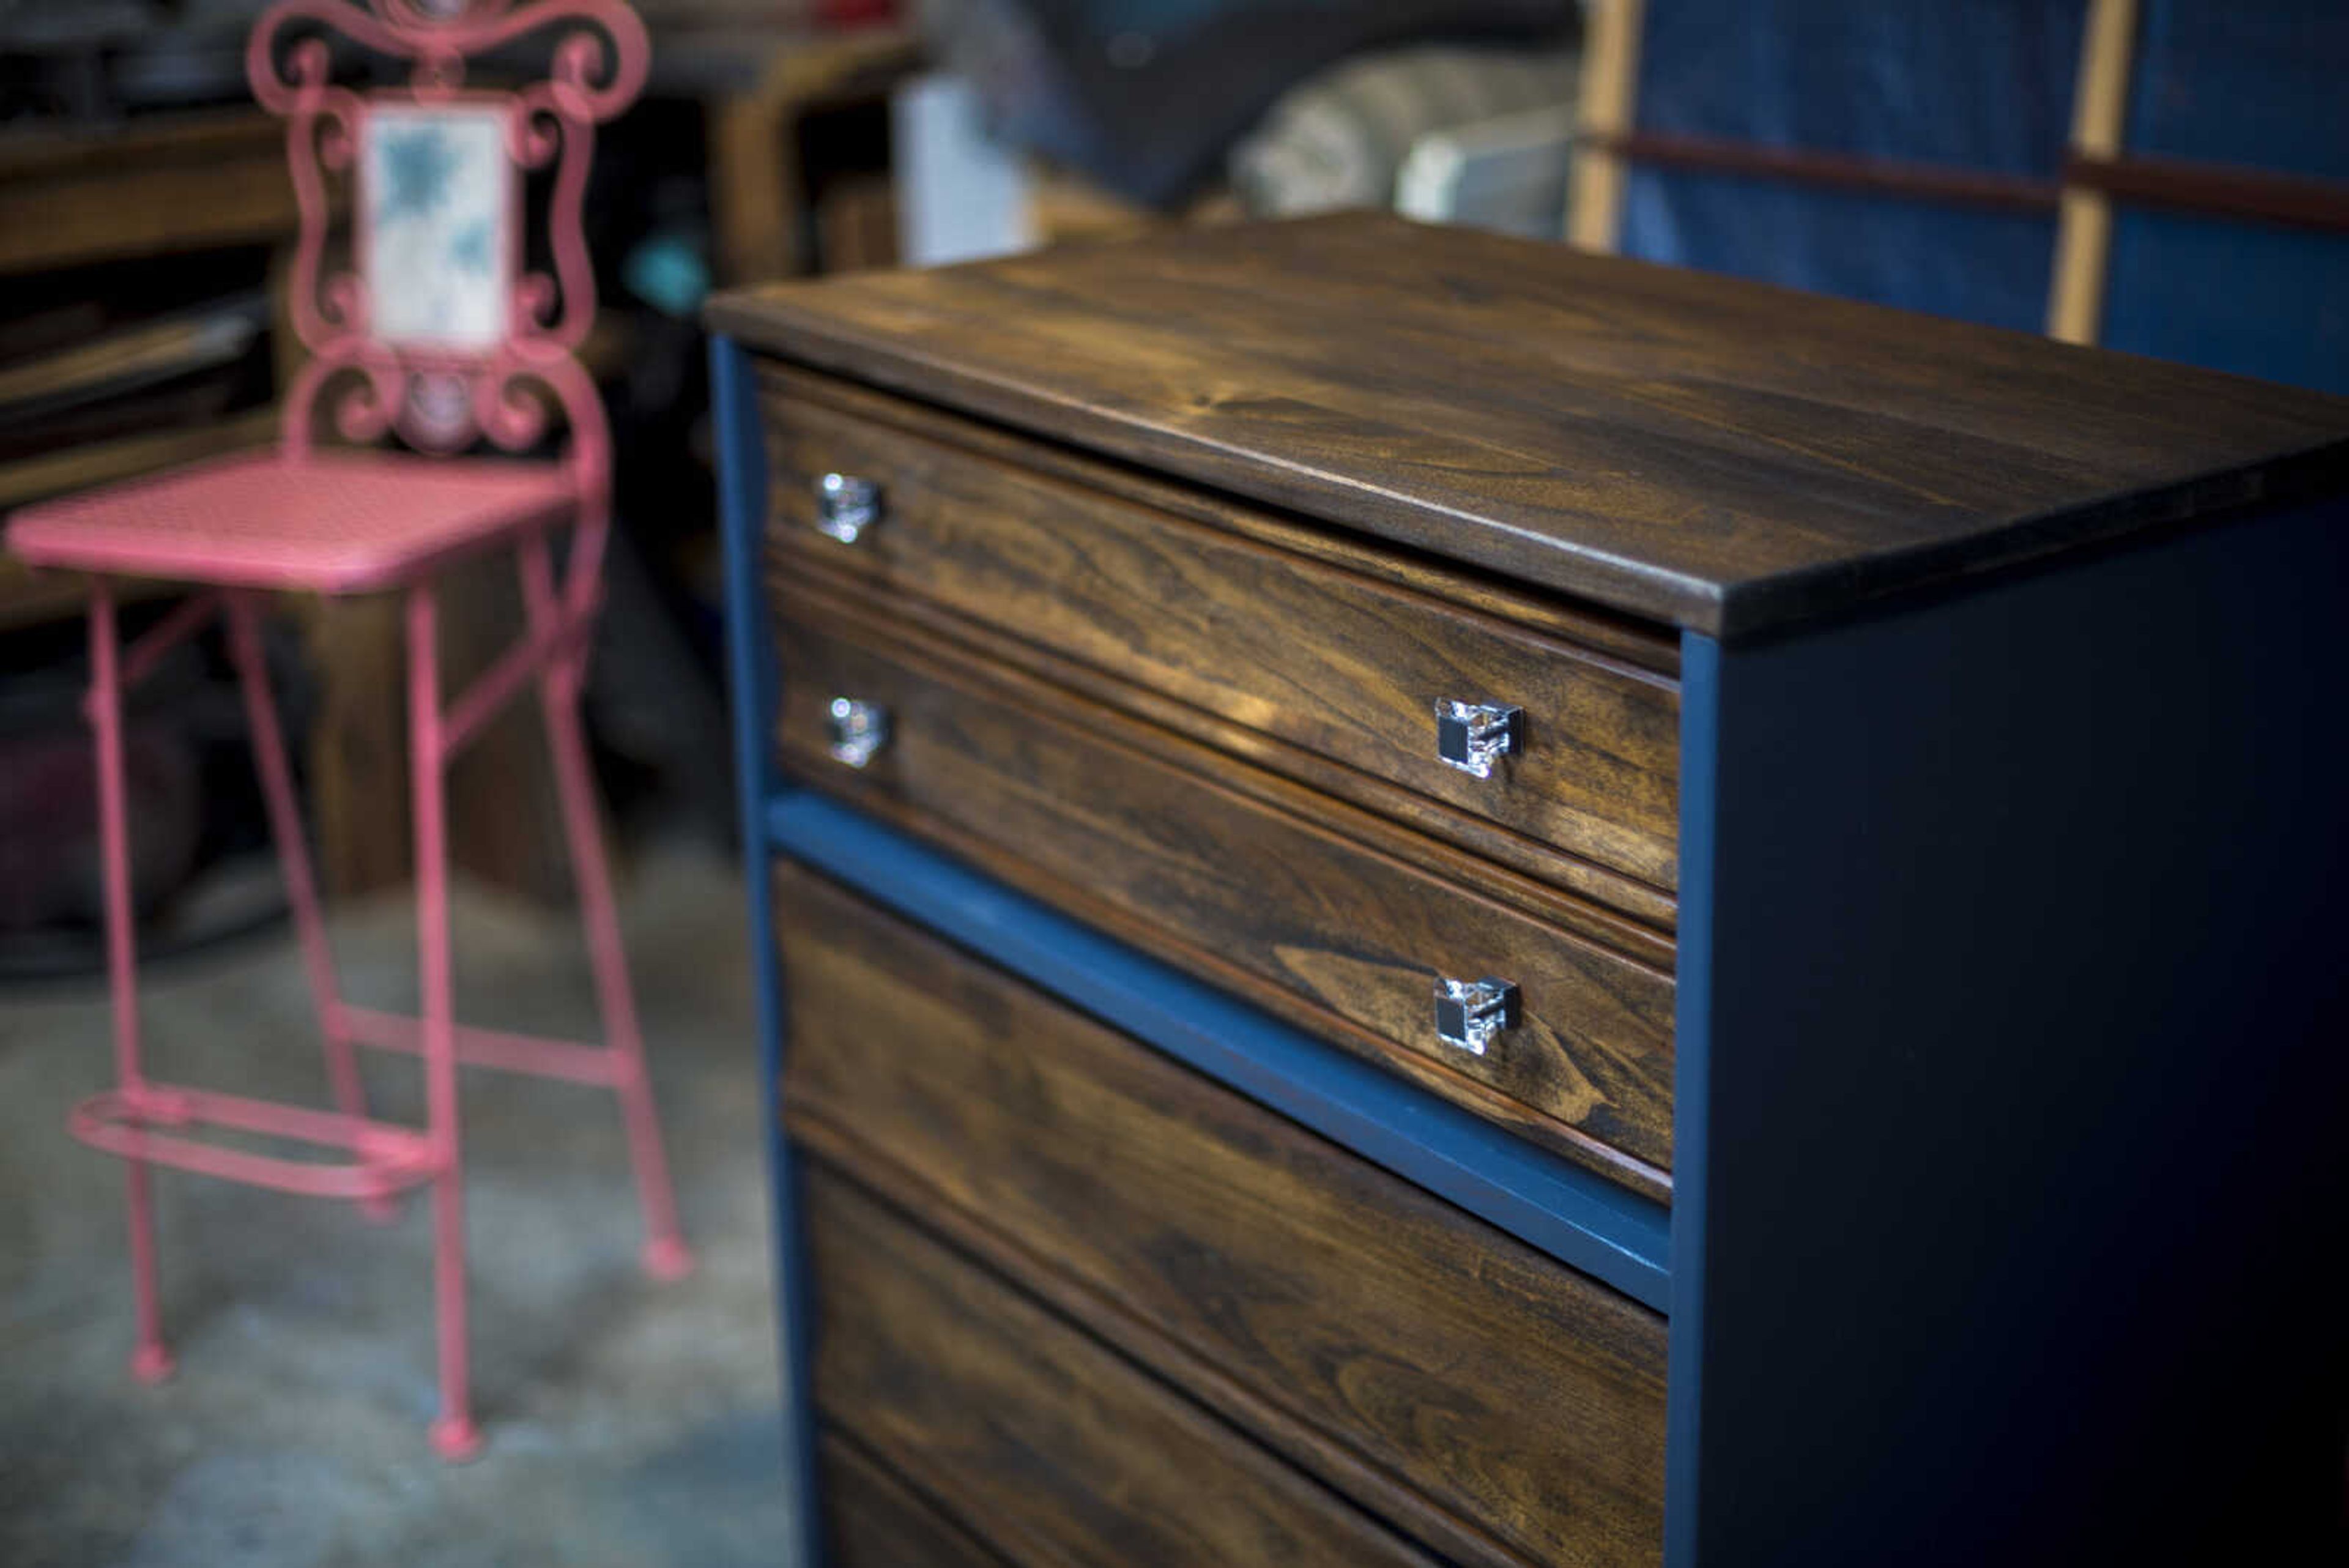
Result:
328,522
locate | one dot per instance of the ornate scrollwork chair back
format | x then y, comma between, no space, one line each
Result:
436,332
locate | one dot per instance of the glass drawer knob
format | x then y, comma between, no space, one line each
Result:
1470,1012
859,729
1473,736
845,507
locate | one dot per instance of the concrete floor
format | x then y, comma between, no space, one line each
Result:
627,1422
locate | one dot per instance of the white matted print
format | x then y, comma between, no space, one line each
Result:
436,229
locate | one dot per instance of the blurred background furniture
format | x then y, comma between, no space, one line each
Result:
1133,116
78,397
777,212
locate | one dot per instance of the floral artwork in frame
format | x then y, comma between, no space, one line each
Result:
436,237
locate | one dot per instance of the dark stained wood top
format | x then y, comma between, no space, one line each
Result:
1718,454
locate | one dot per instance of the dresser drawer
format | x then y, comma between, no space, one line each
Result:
1291,899
1046,1443
1500,1407
1344,665
874,1519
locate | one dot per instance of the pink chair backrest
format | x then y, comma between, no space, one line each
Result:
437,334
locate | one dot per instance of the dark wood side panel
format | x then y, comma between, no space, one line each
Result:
1375,1333
1340,663
1317,924
1038,1436
873,1519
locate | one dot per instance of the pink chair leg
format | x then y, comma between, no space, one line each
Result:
150,1361
666,1255
294,861
454,1436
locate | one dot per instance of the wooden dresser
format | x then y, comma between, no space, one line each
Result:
1433,900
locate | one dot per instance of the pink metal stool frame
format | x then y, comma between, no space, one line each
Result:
439,398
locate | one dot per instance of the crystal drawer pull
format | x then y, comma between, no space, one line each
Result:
845,507
859,729
1470,1012
1473,736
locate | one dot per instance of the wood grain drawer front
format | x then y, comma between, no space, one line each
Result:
1375,1334
874,1519
1046,1442
1061,796
1330,659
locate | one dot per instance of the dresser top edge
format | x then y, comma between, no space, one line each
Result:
1726,457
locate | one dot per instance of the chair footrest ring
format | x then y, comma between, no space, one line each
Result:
150,1123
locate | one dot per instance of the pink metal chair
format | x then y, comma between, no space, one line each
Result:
440,338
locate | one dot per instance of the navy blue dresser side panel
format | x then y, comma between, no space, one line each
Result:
2015,998
749,660
1683,1406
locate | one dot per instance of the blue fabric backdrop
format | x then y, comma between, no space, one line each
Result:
1988,86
